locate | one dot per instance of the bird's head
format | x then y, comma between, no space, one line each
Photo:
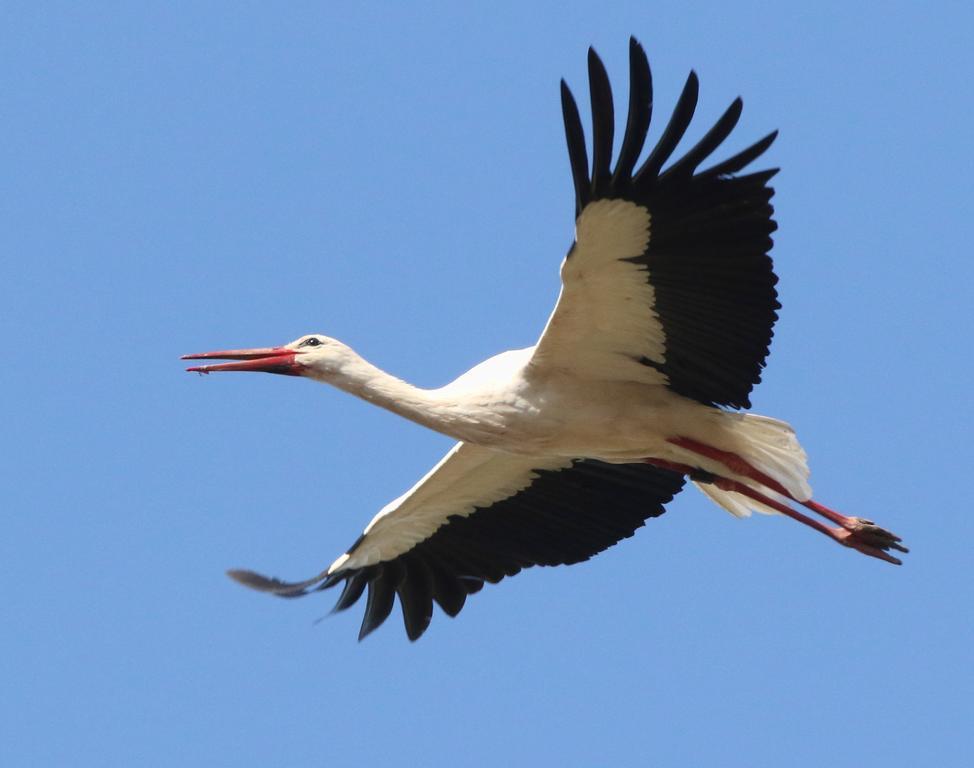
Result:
313,355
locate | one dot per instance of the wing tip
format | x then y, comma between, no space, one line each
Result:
275,586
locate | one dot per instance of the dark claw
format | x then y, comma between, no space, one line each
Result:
867,537
870,533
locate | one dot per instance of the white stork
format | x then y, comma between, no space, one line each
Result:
565,448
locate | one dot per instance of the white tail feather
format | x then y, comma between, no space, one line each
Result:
771,447
738,504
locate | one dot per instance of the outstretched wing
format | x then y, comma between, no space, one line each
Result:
669,279
479,516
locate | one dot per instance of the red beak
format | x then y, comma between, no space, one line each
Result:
265,359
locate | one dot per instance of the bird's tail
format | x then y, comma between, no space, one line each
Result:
771,447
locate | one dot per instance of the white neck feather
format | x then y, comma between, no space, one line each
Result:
462,416
359,377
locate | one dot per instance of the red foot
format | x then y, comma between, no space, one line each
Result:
868,538
862,535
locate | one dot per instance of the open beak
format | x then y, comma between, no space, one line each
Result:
265,359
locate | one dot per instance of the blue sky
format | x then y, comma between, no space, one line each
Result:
183,177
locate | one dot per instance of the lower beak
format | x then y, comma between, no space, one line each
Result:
265,359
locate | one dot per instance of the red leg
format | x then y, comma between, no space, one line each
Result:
733,462
864,539
862,529
861,535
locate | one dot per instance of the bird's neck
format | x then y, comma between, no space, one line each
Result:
361,378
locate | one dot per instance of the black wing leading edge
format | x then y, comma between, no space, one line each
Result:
707,257
564,517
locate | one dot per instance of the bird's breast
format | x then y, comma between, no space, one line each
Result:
573,419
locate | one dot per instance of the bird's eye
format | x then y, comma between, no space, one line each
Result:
312,342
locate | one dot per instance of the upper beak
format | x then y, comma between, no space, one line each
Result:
266,359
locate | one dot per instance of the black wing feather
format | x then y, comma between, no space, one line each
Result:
577,153
687,165
382,596
742,159
354,587
603,124
714,286
415,592
686,105
640,115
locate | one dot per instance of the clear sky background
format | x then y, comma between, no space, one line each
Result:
181,177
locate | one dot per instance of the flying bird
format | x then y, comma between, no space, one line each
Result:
636,385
